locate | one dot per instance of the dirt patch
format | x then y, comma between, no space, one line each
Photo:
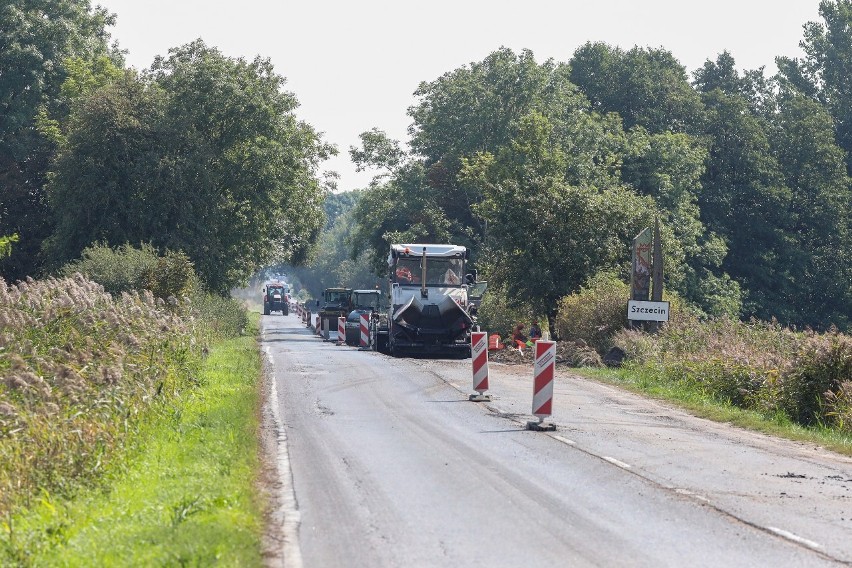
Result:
269,481
568,354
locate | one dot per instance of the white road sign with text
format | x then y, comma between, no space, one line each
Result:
647,311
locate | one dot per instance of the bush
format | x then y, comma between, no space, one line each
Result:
126,268
815,375
595,313
598,312
217,317
496,316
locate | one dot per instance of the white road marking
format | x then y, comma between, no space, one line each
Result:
290,519
689,493
614,461
565,440
794,537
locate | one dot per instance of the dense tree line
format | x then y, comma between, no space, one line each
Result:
201,153
549,169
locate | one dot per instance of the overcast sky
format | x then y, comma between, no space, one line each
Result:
353,64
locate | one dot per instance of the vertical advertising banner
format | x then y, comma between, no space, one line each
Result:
640,275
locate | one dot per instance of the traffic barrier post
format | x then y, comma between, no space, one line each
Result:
317,327
365,330
543,374
479,357
341,331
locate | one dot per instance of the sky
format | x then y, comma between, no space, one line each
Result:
354,64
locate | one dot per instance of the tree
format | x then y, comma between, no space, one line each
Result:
646,87
668,167
744,200
819,223
549,237
102,186
401,210
754,86
37,40
204,156
825,72
475,108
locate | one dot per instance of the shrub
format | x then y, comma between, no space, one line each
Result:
497,316
816,374
127,268
217,317
595,313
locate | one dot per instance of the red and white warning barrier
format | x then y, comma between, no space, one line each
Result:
479,356
341,331
318,327
365,329
543,373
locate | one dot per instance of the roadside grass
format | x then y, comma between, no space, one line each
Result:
184,494
703,404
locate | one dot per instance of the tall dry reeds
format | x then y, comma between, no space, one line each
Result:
78,368
755,365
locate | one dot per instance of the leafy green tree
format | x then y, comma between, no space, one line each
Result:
547,237
37,40
204,156
646,87
401,210
744,200
825,72
722,74
102,186
475,108
668,167
819,220
6,244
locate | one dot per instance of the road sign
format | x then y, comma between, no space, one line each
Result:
647,311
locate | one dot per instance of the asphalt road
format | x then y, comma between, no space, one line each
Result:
387,463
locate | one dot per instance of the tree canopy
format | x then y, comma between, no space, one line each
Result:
202,155
40,42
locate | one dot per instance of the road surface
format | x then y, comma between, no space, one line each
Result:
387,463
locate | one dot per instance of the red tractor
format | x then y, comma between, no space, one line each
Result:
275,298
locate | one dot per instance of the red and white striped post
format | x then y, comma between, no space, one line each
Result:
365,330
341,331
318,326
479,356
543,373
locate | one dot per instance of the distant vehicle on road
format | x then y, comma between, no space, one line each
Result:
275,298
363,301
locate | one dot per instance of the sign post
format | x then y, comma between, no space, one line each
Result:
646,303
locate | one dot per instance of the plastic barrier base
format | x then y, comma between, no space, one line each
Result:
541,426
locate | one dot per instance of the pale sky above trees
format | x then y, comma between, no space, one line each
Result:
355,65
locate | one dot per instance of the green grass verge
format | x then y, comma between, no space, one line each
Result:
706,406
184,497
